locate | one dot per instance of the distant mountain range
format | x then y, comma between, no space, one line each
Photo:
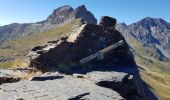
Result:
59,16
152,33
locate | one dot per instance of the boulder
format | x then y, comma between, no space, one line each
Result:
108,21
127,84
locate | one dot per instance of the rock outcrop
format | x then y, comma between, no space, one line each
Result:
116,84
108,22
66,88
83,41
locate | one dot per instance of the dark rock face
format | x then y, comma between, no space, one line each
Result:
152,33
87,39
108,21
60,15
67,13
83,13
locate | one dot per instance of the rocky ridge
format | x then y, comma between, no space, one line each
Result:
114,77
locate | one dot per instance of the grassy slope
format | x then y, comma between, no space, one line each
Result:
154,72
19,47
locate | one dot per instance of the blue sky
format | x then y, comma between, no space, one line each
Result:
128,11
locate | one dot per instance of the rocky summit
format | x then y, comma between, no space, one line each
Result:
84,40
67,13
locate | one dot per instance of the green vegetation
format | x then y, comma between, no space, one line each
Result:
18,48
5,65
155,73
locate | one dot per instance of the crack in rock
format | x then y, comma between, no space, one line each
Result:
79,97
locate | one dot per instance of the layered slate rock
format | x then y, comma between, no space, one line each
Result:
66,88
83,41
119,83
125,81
7,78
46,76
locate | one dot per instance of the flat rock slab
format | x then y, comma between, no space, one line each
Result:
67,88
11,72
7,78
2,75
98,76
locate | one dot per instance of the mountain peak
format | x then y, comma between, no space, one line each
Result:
150,32
83,13
67,6
147,21
82,7
67,13
156,22
63,8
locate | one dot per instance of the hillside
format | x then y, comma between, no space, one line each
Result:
153,33
16,49
144,37
17,39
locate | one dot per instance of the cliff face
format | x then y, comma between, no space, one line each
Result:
83,41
